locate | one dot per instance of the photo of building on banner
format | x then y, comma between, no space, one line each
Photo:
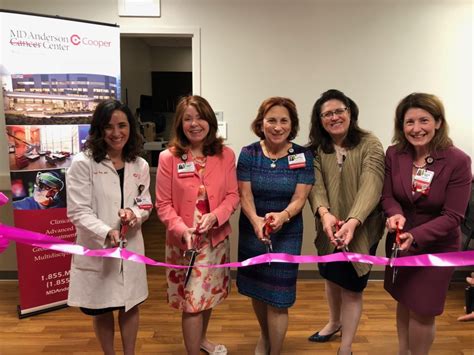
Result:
49,93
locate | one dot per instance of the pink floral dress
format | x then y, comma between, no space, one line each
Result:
207,287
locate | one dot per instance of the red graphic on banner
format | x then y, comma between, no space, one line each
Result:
45,271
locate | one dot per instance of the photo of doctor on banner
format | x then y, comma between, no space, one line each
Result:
47,190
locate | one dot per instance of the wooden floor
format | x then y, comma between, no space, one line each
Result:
68,331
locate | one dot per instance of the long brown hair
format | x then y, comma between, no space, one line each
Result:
318,136
431,104
95,143
179,143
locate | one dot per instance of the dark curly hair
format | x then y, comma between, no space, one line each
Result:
95,143
431,104
179,143
266,105
318,136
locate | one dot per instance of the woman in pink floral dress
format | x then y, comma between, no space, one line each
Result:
196,193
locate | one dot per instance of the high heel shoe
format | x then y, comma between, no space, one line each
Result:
316,337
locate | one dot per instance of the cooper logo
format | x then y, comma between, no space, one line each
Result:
76,40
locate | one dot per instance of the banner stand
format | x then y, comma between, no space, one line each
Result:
35,313
54,72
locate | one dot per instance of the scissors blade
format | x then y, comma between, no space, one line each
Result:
123,231
193,253
395,251
269,247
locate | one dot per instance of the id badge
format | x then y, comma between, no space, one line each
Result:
296,161
143,203
186,169
422,181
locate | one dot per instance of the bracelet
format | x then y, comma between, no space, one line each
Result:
289,215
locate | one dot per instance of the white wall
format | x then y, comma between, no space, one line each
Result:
376,51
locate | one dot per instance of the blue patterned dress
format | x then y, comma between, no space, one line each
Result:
272,190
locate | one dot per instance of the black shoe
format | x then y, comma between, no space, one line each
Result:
322,338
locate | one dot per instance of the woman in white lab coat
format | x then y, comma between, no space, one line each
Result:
107,187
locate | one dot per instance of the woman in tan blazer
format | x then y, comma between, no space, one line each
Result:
349,168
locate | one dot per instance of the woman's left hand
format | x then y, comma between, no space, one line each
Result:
206,222
406,240
279,218
346,232
127,217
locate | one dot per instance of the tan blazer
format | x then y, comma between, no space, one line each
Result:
351,192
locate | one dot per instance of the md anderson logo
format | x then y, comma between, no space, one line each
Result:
31,39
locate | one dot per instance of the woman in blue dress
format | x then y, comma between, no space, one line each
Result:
275,177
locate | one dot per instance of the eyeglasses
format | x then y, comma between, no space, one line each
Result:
328,114
43,187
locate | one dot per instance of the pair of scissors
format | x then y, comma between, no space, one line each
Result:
267,230
340,241
395,251
192,254
122,241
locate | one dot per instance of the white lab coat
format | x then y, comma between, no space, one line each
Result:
93,202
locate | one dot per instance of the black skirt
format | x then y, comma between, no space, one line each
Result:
343,274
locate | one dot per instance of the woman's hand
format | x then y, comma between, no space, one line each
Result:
329,221
406,240
277,219
346,232
114,236
258,228
127,217
188,238
206,222
395,220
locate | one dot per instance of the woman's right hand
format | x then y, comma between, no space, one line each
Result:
114,236
188,237
258,228
394,221
329,221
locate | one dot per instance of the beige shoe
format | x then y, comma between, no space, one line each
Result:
219,349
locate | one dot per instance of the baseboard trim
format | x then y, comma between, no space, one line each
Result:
459,275
8,275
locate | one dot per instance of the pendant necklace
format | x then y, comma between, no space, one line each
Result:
273,164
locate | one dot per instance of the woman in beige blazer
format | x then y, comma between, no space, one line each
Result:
102,186
349,168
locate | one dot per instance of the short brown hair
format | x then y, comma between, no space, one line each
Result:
431,104
179,142
266,106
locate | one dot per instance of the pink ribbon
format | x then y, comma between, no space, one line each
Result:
8,233
23,236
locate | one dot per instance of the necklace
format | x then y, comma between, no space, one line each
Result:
419,166
273,164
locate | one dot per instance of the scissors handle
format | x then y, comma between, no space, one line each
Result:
123,232
267,228
397,236
340,241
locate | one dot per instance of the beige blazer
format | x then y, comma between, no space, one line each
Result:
351,192
93,201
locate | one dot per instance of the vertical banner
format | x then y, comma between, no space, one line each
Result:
53,74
